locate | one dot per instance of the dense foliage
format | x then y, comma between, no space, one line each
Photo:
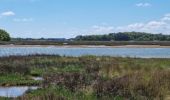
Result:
125,36
4,36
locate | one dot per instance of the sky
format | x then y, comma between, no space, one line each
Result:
69,18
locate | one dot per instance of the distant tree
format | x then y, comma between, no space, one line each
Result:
121,37
4,36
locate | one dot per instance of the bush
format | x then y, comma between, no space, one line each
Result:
4,36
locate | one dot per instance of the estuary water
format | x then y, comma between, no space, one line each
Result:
80,51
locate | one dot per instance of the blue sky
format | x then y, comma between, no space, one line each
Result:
68,18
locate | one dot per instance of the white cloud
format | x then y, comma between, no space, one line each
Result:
161,25
153,26
166,17
8,13
143,5
23,19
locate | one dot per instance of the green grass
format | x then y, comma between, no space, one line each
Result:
17,80
37,71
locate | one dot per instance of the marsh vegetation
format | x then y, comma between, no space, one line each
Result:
87,77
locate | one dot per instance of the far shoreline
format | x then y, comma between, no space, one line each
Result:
87,46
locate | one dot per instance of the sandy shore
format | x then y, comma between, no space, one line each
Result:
88,46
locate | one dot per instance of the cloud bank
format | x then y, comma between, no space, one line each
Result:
161,25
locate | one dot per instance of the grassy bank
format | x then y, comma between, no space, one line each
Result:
90,77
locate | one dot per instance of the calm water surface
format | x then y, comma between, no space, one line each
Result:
99,51
15,91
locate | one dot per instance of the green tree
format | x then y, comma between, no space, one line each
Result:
125,36
4,36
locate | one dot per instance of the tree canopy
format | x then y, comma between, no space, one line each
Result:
125,36
4,36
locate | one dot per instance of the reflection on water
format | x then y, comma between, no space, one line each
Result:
15,91
107,51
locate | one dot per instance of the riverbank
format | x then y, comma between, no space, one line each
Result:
87,43
91,77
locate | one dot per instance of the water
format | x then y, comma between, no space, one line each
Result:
15,91
37,78
99,51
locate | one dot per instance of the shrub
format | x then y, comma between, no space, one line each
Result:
4,36
71,81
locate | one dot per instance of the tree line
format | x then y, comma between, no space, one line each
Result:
124,36
120,36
